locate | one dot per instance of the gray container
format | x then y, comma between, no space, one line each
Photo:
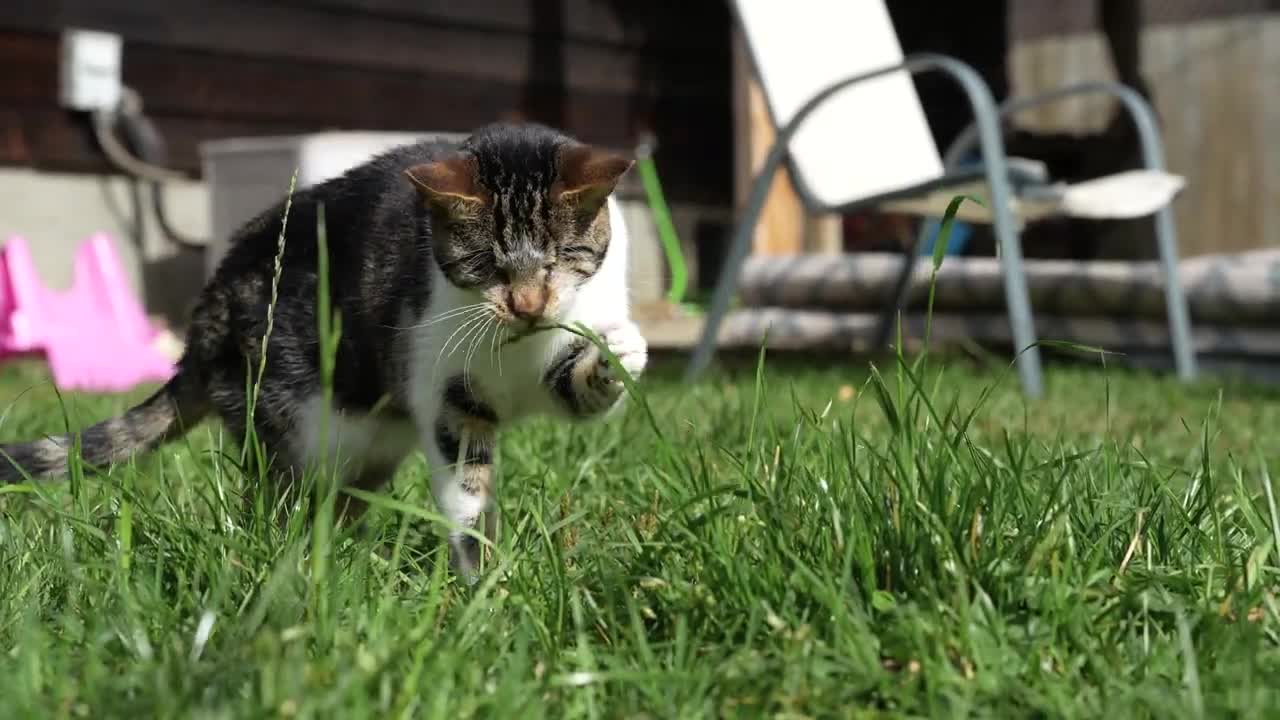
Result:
248,175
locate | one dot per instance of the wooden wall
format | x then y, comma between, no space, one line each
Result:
1214,69
604,70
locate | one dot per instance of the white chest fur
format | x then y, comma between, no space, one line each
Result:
508,375
448,342
358,443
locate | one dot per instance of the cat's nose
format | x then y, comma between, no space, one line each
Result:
527,302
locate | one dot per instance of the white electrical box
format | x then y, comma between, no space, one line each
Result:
246,176
89,75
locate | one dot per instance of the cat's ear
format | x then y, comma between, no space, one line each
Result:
449,183
588,175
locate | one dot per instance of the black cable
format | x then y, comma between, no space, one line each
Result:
143,140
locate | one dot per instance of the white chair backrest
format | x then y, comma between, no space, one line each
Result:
867,140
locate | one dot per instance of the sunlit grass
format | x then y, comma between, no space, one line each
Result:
794,543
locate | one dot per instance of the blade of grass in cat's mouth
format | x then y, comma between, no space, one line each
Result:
543,327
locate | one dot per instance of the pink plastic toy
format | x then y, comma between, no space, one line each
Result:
95,336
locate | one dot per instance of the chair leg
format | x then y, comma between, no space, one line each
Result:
1009,242
1175,301
897,299
1166,238
1153,158
1017,297
979,96
739,247
987,122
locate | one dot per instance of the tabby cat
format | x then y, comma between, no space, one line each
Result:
443,260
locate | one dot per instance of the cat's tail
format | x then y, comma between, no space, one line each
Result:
164,416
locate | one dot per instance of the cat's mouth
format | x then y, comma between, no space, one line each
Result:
526,323
526,305
523,306
520,325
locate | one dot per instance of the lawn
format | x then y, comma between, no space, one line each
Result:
789,543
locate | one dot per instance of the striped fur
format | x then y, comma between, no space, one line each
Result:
162,417
439,254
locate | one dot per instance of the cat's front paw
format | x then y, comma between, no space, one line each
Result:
602,386
629,346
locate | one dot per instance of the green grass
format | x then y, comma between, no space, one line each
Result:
794,543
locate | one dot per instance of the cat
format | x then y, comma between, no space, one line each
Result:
444,259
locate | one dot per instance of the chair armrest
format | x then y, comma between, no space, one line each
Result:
1134,104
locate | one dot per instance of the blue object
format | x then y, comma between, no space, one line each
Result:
960,231
960,234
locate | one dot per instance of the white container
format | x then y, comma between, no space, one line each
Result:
246,176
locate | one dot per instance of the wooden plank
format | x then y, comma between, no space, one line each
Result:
188,82
785,227
14,146
254,29
59,140
824,234
30,63
53,139
199,82
1037,19
1269,127
179,87
638,25
780,228
1231,200
56,140
1208,81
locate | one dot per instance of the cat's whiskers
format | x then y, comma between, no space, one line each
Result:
451,348
446,315
460,310
506,335
494,347
476,325
464,325
477,337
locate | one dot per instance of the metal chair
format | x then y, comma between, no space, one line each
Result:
853,133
